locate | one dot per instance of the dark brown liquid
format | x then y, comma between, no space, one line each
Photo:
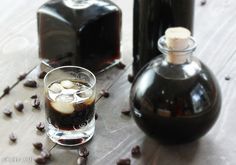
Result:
83,113
151,19
175,110
87,37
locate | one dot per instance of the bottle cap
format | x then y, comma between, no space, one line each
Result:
177,39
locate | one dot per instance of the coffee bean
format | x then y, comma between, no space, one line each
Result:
40,160
19,106
130,78
12,137
136,151
6,90
125,161
45,154
38,146
203,2
40,126
35,96
126,112
42,75
30,83
121,65
104,93
22,76
96,116
83,152
227,78
35,103
7,112
81,161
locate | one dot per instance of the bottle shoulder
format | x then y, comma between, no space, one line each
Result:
177,72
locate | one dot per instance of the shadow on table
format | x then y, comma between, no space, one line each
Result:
155,153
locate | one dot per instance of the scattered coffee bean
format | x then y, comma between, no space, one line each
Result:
45,154
227,78
40,160
19,106
136,151
83,152
22,76
125,161
130,78
43,158
121,65
203,2
38,146
96,116
42,75
6,90
105,93
7,112
40,126
35,96
12,137
35,103
81,161
30,83
126,112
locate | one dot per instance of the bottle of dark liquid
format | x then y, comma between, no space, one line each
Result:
151,19
79,32
175,97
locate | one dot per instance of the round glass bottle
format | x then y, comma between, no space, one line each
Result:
175,97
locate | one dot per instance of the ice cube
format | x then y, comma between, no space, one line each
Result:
56,88
63,107
67,84
63,103
67,98
82,86
85,94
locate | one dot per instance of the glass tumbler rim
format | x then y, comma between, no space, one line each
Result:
75,67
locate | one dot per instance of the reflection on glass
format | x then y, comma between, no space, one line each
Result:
200,99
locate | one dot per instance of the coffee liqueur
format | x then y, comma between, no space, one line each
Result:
79,32
175,98
67,106
151,19
70,105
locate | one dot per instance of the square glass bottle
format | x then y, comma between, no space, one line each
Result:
79,32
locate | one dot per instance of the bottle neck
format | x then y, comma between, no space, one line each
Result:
78,4
177,57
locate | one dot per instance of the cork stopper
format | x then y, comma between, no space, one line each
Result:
177,39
